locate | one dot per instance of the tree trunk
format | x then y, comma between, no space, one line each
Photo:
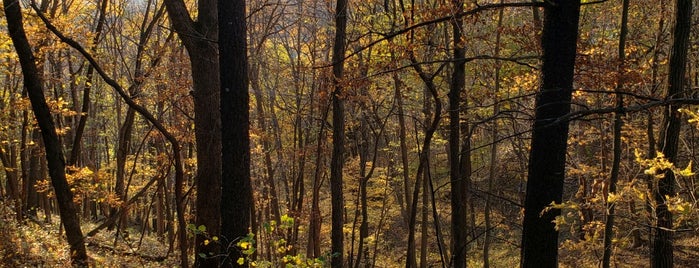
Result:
54,154
80,129
458,184
270,187
33,175
199,40
431,88
662,256
618,123
549,138
492,172
337,158
236,199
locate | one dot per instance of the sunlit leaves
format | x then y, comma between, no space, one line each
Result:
659,165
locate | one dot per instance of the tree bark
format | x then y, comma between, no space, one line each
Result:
199,39
236,199
549,137
54,154
662,256
338,119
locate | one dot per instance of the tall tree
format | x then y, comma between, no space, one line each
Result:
458,184
42,113
550,135
236,199
662,256
618,123
337,158
199,38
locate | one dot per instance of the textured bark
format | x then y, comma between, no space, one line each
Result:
338,116
549,138
199,39
662,256
54,154
236,201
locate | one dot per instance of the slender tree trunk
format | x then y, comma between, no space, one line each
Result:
549,137
82,121
337,158
270,187
662,256
458,184
54,154
424,217
618,123
492,171
411,259
405,164
33,175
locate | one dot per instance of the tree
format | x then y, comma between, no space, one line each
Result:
550,134
458,183
54,153
199,38
618,123
236,198
338,119
662,256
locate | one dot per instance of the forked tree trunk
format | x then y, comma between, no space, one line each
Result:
199,40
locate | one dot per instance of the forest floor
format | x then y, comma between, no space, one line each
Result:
37,244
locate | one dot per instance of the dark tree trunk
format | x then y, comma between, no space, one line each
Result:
337,159
618,123
549,137
236,199
54,154
662,256
199,40
458,184
33,175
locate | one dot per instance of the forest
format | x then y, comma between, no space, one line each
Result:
349,133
